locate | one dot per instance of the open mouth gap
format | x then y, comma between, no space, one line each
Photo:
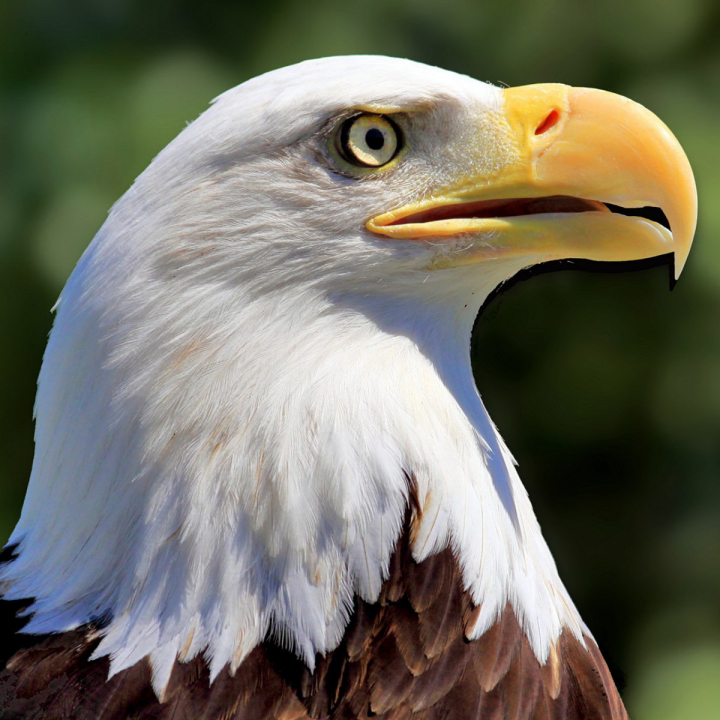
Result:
648,213
515,207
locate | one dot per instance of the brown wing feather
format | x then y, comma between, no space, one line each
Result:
406,657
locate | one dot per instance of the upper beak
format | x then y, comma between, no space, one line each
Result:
574,150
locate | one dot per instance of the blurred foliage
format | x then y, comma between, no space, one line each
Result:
606,386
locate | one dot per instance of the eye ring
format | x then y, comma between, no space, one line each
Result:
368,140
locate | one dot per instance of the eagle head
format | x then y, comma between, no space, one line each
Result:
259,377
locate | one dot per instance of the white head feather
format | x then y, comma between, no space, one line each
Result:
240,375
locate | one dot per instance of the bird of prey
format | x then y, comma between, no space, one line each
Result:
265,484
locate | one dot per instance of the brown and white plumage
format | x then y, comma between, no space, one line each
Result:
406,655
265,484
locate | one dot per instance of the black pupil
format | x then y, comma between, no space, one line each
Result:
374,139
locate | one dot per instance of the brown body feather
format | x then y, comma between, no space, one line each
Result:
406,656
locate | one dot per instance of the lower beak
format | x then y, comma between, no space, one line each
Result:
578,157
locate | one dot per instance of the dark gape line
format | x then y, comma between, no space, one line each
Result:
648,213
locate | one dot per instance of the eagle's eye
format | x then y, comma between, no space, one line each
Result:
368,140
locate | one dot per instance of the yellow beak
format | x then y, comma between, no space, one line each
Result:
575,150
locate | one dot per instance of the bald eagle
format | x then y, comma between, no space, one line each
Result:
265,485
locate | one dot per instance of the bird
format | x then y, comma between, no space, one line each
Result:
265,484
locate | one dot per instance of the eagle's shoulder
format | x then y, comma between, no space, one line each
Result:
406,656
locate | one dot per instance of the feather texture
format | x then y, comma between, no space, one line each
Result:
398,659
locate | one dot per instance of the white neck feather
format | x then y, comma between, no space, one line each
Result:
208,494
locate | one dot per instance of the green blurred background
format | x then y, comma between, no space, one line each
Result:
606,386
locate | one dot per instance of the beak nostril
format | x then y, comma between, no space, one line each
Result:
549,122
